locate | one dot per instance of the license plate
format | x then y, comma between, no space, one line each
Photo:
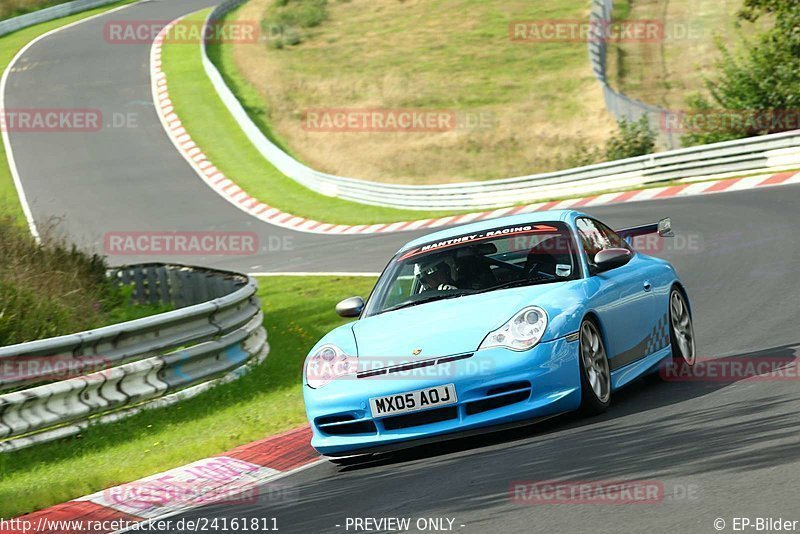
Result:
413,401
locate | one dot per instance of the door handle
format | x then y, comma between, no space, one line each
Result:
647,285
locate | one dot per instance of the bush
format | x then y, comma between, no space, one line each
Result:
582,154
285,19
53,289
634,138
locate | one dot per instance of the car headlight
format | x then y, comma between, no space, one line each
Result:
521,332
329,362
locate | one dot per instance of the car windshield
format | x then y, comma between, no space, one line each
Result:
536,253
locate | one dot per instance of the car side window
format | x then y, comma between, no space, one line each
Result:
596,236
593,240
611,236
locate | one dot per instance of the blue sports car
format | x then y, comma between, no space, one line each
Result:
492,324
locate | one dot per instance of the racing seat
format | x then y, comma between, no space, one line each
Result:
473,271
545,256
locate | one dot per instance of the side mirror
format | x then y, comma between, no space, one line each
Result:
665,228
611,258
351,307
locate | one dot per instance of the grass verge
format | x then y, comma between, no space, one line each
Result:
532,103
213,128
298,311
9,46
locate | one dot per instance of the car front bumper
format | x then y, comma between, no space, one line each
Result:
494,387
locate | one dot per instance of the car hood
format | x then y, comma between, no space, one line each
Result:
446,327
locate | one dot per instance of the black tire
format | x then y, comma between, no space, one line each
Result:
596,381
681,332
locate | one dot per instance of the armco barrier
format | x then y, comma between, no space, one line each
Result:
50,13
214,335
765,154
621,106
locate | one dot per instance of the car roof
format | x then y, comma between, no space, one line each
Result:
488,224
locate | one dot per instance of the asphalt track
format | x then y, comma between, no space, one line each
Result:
720,449
128,177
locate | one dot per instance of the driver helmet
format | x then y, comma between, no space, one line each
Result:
433,273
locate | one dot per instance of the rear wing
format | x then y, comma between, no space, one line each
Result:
662,228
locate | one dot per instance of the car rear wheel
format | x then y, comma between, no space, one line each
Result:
595,371
681,330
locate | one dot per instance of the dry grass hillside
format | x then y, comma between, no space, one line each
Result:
537,101
664,72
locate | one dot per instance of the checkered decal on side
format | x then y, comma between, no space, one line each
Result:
656,340
659,337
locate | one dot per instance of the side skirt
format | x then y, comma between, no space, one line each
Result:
624,375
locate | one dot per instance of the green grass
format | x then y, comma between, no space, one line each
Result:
213,128
9,46
245,92
387,54
298,311
127,312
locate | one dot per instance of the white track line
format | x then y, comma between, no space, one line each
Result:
23,199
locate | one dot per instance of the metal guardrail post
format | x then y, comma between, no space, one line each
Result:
215,334
618,104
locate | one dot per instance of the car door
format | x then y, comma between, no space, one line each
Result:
623,296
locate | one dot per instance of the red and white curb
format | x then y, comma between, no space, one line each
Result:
242,200
246,475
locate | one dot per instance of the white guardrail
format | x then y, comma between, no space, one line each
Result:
740,157
50,13
53,388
